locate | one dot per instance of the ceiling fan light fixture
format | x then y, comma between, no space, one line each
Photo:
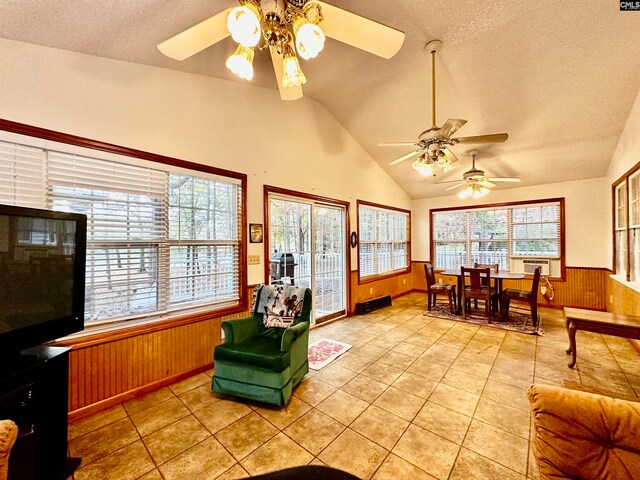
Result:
243,24
292,73
241,62
423,167
309,38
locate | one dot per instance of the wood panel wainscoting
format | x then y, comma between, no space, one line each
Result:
623,299
103,373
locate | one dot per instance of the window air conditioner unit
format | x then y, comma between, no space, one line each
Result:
531,264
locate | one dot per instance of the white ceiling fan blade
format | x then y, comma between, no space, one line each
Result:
448,154
456,186
197,38
286,93
396,144
405,157
493,138
505,179
486,183
451,126
360,32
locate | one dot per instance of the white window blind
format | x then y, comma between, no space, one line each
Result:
634,227
158,240
22,180
384,240
621,228
495,235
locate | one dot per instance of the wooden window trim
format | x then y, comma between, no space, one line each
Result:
123,331
395,273
623,179
560,200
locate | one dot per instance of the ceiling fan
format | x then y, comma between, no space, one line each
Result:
433,143
475,182
289,28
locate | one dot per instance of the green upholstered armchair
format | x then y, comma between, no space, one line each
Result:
260,363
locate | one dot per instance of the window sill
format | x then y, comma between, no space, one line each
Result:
384,276
92,336
622,279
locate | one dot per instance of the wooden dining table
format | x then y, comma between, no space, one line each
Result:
499,276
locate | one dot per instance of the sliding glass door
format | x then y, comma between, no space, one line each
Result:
306,245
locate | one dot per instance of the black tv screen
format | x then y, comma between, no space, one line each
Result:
42,265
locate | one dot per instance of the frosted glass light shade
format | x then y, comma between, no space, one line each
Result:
309,38
241,62
422,167
292,73
244,25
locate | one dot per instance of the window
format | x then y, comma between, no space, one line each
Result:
504,234
160,239
384,240
626,225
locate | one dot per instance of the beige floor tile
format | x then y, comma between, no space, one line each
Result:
409,349
401,403
152,475
394,468
498,445
471,465
533,472
469,366
335,375
415,384
365,388
199,397
154,418
379,425
464,381
421,340
503,416
444,422
355,454
314,431
455,399
101,442
246,435
149,400
313,391
427,451
282,417
221,414
190,383
425,367
397,359
342,407
278,453
507,394
382,372
174,439
373,351
95,421
128,463
354,362
234,473
512,378
208,459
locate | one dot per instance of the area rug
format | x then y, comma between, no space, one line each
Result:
517,322
324,351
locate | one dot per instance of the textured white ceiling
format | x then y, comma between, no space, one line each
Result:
559,76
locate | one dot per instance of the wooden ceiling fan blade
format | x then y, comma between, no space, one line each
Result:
406,157
456,186
197,38
450,127
360,32
286,93
493,138
505,179
396,144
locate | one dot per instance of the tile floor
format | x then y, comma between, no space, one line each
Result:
416,397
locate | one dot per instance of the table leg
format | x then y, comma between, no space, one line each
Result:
571,331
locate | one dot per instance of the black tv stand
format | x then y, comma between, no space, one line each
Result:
34,394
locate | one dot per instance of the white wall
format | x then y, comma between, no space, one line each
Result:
587,226
295,145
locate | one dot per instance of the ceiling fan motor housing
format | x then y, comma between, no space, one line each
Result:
297,3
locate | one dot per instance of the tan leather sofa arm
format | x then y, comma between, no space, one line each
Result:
8,435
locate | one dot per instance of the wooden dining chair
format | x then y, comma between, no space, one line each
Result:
527,296
494,269
434,289
477,291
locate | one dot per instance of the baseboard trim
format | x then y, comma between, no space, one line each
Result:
136,392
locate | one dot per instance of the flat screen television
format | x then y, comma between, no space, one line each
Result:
42,265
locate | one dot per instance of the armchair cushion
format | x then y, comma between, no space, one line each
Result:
582,435
261,351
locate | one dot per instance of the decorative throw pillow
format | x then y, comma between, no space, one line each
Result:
280,304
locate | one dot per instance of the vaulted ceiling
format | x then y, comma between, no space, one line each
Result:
559,76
